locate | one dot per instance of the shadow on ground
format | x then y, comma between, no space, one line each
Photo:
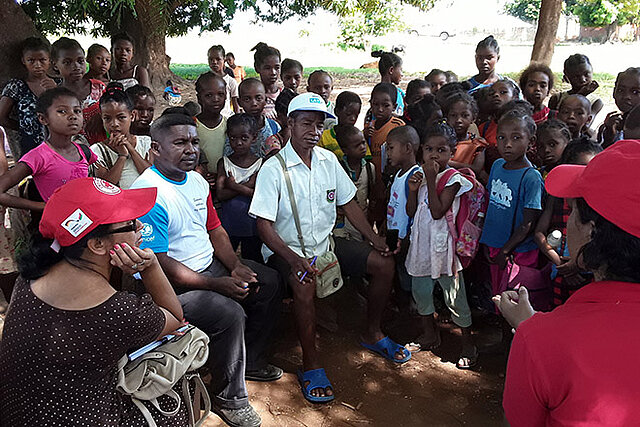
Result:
370,391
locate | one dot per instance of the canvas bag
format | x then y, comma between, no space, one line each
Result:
329,276
156,372
466,227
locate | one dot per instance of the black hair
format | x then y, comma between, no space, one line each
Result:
48,96
202,78
630,70
583,99
36,258
343,132
435,72
192,108
444,130
34,44
262,52
217,48
460,97
94,49
387,61
578,146
611,251
114,92
389,89
536,67
451,76
283,100
251,81
345,98
575,60
515,89
415,85
407,135
517,114
318,73
290,64
63,43
488,42
520,105
243,119
172,116
138,91
450,88
231,55
418,114
554,124
121,36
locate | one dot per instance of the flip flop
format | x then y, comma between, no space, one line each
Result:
467,362
388,349
317,379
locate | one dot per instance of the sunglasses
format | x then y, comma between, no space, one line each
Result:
132,226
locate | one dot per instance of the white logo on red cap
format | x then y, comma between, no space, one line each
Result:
76,223
106,187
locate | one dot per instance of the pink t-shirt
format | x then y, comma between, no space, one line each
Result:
50,170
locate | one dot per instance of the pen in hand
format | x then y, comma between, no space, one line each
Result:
305,273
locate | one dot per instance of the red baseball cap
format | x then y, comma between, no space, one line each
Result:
607,184
81,205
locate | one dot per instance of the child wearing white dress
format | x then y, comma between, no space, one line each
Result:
431,257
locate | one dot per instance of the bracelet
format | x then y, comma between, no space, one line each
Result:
126,156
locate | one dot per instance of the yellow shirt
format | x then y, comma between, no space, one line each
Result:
212,142
328,141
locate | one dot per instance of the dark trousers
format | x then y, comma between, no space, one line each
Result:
239,332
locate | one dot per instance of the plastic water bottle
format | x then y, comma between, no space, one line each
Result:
554,239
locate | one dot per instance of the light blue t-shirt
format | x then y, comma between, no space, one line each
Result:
507,193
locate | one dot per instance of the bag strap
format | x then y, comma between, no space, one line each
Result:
292,199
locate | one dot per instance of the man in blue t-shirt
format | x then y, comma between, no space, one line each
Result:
218,291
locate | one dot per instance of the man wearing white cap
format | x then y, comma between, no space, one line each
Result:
319,185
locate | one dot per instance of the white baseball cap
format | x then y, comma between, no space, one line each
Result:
309,102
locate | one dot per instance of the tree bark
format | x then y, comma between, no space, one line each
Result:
148,28
545,40
17,26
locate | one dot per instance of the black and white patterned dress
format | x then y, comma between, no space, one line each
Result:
58,367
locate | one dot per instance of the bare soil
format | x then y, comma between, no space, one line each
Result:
371,391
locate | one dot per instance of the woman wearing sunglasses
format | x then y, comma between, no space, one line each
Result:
67,327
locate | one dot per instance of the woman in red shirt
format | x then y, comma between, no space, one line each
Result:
571,366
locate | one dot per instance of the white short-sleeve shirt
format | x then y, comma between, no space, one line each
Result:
232,92
318,191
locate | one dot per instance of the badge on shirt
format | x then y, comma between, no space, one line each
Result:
331,195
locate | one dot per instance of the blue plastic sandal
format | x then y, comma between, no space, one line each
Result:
388,349
317,379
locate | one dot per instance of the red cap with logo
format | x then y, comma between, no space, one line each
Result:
608,184
81,205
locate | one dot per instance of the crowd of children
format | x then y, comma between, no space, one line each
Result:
421,164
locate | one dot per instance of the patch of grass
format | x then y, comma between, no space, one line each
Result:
192,71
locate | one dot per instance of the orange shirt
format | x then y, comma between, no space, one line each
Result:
378,139
239,73
467,150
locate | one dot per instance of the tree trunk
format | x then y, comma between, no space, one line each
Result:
148,28
548,21
17,26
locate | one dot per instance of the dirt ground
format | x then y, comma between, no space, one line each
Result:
370,391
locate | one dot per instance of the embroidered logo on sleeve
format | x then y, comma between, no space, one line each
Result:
76,223
331,195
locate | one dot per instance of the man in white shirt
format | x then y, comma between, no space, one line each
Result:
320,185
218,292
